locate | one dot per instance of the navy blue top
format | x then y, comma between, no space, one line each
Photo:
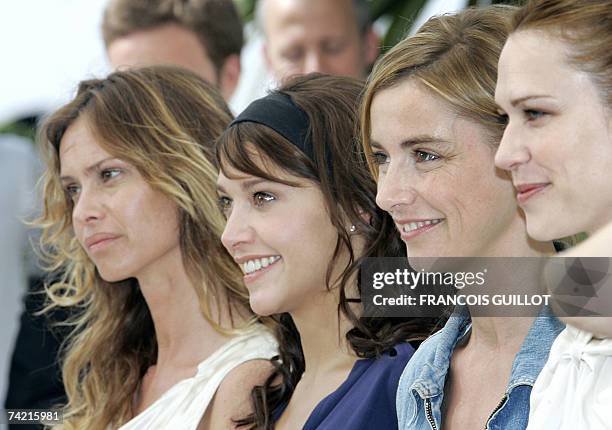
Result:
366,400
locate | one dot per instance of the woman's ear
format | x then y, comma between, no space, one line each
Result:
365,217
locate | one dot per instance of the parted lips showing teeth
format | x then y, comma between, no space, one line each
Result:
254,265
411,226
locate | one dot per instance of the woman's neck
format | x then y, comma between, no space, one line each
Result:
499,334
184,336
323,334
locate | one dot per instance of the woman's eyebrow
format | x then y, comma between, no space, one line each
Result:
248,184
424,139
519,100
88,170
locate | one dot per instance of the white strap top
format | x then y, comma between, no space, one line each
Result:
183,406
574,389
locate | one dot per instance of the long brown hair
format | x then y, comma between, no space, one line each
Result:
163,121
339,168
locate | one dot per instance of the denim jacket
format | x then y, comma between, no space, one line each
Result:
421,387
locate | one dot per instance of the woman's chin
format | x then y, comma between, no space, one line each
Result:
263,307
544,231
112,276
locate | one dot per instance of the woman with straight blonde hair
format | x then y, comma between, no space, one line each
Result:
430,126
555,88
162,328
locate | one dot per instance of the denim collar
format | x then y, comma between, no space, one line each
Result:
535,349
526,366
430,381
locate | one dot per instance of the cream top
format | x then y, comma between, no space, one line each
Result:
574,389
183,406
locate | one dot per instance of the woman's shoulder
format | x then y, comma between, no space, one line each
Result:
431,358
253,342
222,386
232,399
381,375
367,398
393,359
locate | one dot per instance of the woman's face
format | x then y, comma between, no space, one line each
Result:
558,141
126,228
437,178
281,236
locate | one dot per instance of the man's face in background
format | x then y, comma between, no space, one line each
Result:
304,36
172,44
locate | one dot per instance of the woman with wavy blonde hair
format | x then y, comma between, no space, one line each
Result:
131,223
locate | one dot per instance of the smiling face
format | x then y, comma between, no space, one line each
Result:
280,235
125,227
558,141
437,178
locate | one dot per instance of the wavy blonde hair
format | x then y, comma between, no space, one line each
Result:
164,121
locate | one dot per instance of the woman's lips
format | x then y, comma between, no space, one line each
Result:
527,191
253,276
99,241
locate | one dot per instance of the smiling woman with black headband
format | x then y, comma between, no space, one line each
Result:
301,217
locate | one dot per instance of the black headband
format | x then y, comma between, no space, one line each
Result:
278,112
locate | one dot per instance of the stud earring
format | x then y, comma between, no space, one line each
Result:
353,228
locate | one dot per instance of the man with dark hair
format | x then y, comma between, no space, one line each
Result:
204,36
327,36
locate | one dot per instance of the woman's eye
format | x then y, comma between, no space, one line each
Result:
260,198
225,204
533,114
422,156
72,191
108,174
380,158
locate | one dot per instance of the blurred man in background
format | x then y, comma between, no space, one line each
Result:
18,169
204,36
326,36
34,382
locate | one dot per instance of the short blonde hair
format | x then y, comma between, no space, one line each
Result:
455,57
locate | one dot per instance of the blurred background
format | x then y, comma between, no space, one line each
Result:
47,47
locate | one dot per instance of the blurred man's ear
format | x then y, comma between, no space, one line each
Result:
372,46
229,76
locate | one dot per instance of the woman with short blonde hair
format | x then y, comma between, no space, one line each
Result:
430,126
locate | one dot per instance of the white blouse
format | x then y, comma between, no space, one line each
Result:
574,389
183,406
